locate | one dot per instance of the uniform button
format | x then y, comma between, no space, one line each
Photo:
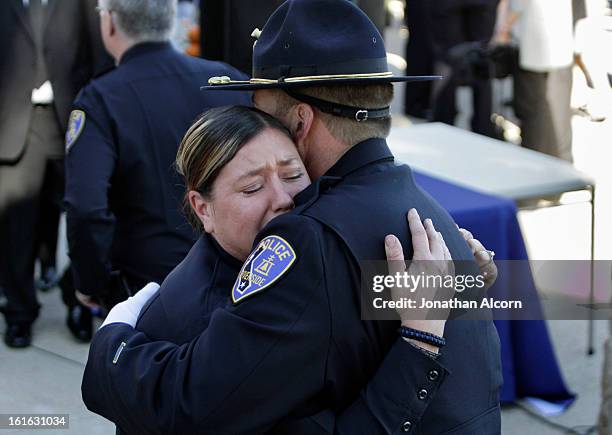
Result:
433,375
406,426
422,395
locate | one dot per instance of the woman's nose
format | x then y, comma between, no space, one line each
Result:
282,201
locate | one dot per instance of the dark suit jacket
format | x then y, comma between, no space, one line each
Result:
73,54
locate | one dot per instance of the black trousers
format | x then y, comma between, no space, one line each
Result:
454,22
542,101
21,186
50,210
419,57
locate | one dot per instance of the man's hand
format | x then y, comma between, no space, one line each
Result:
129,310
483,257
86,300
502,37
431,257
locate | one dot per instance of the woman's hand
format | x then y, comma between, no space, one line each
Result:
431,257
482,256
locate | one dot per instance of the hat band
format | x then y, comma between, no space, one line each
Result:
362,66
225,80
356,113
323,77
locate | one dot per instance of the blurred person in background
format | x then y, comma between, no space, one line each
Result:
420,56
592,34
50,210
50,49
227,27
543,83
123,196
456,23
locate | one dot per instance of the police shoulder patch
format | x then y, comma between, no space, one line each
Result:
76,122
270,260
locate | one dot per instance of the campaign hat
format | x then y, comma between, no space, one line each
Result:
316,43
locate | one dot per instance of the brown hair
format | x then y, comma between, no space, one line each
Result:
212,142
349,131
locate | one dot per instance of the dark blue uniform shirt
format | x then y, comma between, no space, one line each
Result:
299,346
182,308
123,195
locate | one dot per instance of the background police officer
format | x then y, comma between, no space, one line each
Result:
123,198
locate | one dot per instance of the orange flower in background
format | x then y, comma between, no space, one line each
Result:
193,35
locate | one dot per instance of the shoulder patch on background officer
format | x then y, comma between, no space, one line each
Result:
76,122
266,264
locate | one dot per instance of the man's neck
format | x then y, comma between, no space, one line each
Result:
121,48
323,153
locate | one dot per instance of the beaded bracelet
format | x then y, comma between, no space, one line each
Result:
422,336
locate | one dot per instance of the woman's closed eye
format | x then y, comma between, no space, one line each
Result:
249,190
289,177
294,176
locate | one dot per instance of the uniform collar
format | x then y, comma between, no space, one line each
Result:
142,48
359,156
209,242
364,153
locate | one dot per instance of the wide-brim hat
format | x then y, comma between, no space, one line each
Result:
314,43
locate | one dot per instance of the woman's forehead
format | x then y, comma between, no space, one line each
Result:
269,149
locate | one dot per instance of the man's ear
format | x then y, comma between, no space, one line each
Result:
203,209
112,27
302,121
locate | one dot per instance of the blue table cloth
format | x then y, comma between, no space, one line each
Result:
530,368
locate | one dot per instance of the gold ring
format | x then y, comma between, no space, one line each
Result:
491,254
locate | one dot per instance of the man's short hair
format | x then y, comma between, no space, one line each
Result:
349,131
144,20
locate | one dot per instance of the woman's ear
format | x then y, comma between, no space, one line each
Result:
203,209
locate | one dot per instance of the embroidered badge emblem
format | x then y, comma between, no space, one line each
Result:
266,264
76,122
